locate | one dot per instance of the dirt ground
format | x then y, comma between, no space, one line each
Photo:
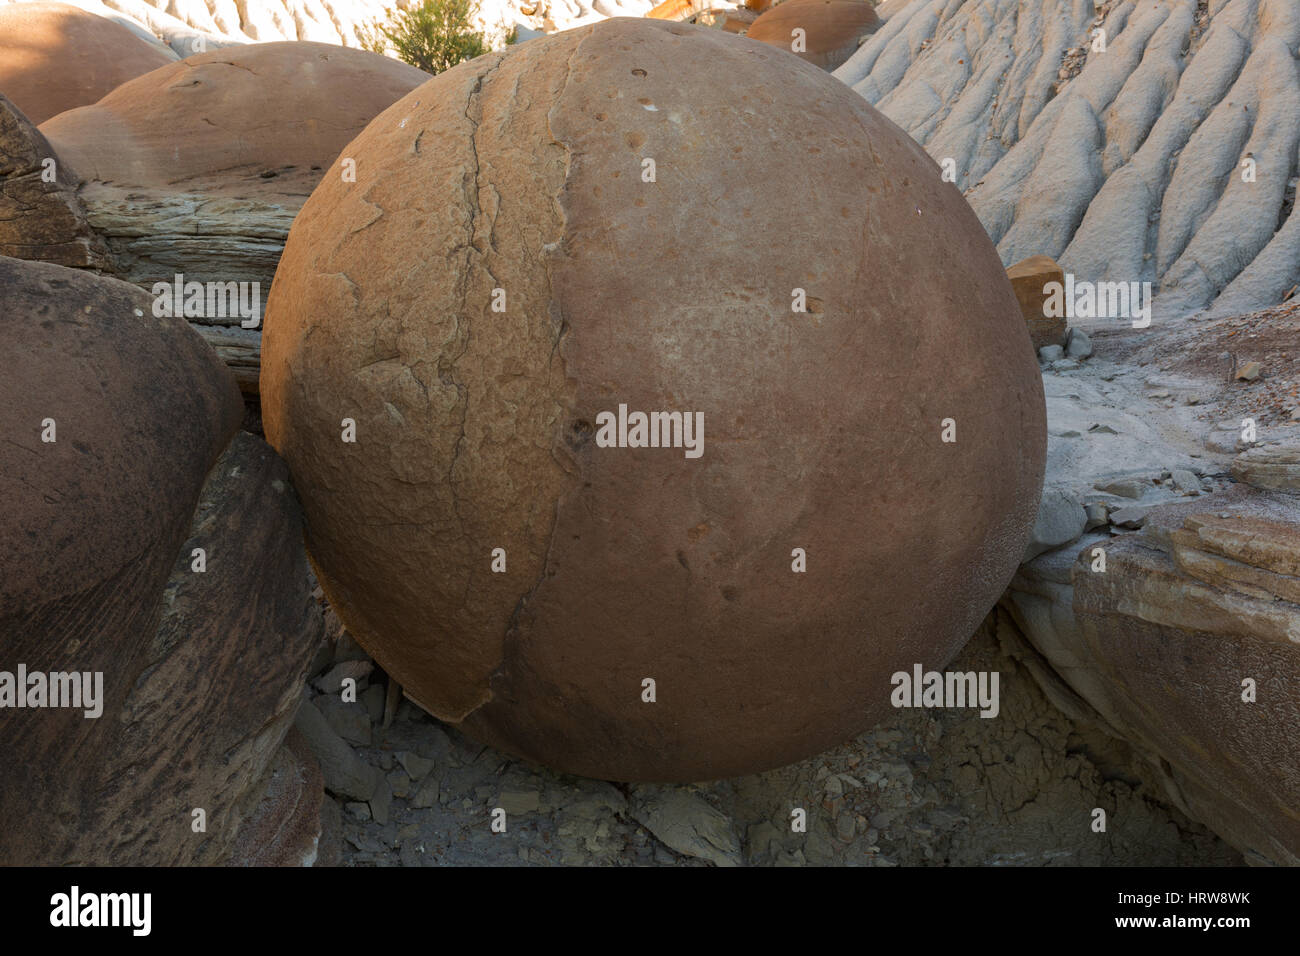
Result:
926,787
1214,350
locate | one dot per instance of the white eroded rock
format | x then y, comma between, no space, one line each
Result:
1165,158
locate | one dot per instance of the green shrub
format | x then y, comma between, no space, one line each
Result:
434,36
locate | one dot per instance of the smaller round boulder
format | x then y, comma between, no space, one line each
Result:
55,57
832,29
267,105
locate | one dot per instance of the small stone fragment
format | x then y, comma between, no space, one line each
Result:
845,827
332,681
1185,482
381,801
415,765
1077,344
818,848
1130,517
427,795
519,801
345,773
1124,487
392,698
687,824
1248,372
1028,278
349,721
762,838
399,783
372,698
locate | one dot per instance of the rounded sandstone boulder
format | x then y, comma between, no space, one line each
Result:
266,105
55,57
831,29
156,616
544,241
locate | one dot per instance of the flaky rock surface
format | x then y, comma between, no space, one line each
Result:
1199,601
475,428
1173,624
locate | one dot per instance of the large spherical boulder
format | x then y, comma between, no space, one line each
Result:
831,29
55,57
265,105
506,273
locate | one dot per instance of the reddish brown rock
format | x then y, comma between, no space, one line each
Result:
201,671
832,28
672,10
266,106
475,428
55,57
1029,278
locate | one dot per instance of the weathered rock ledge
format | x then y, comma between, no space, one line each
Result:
1173,621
